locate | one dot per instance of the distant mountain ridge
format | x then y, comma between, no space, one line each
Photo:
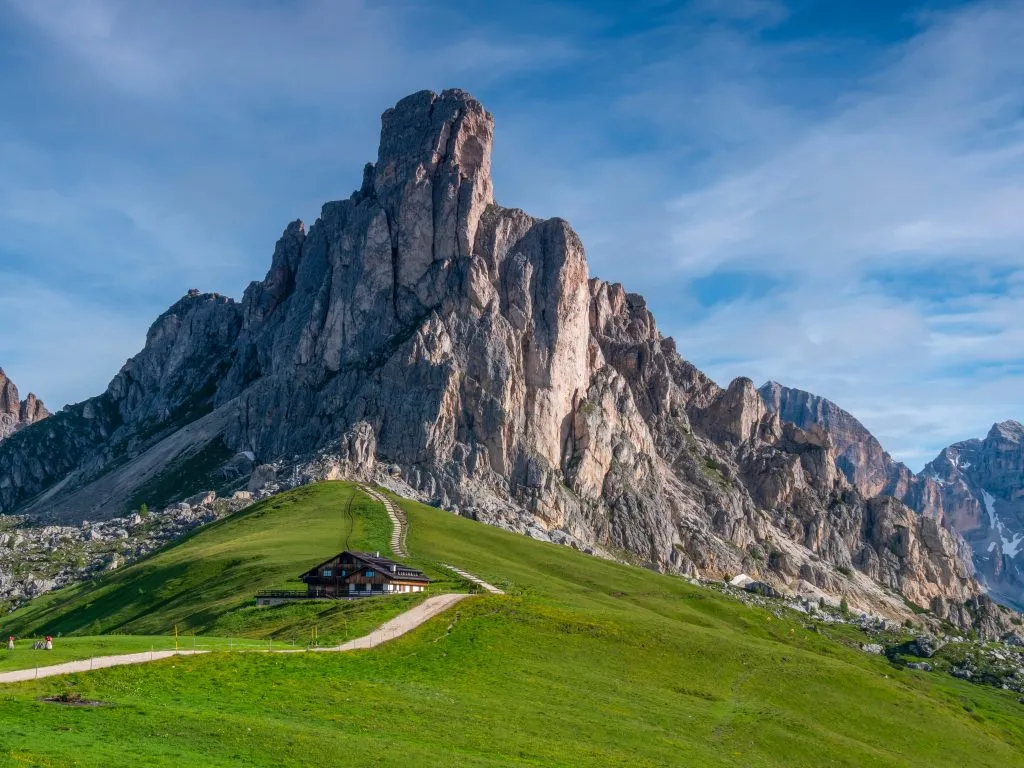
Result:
419,329
975,487
16,413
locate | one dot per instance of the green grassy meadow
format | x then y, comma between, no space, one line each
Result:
583,663
203,587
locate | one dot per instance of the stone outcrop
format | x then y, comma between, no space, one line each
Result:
419,330
35,559
858,453
981,487
974,488
15,413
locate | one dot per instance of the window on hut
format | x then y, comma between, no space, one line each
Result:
327,572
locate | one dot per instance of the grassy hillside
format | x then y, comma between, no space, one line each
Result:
205,584
583,663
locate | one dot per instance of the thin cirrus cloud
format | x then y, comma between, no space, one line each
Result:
161,148
832,203
890,229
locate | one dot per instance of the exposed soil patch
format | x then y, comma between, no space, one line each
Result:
73,700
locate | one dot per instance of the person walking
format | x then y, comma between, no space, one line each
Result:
10,643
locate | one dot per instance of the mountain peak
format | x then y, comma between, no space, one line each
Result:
16,413
1007,430
426,134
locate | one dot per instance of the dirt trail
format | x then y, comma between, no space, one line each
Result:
397,627
397,520
402,623
476,580
85,665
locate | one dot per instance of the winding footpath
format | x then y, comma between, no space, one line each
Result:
478,581
397,516
396,627
405,622
87,665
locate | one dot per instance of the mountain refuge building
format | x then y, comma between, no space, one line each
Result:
352,574
360,574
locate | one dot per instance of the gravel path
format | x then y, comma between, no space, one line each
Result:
85,665
476,580
397,627
403,623
397,521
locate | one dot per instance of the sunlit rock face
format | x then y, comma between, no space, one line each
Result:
15,413
974,488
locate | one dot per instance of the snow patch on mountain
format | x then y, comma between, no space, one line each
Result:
1010,547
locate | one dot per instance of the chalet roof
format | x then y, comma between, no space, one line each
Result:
385,566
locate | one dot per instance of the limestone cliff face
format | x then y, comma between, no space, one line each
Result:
973,488
858,453
981,486
421,329
15,413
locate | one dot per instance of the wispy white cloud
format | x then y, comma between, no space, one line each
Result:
764,12
294,51
771,160
872,189
922,159
54,342
165,147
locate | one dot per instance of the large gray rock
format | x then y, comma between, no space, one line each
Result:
974,488
982,492
16,414
859,455
420,327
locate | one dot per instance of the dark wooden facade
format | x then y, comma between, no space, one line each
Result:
361,574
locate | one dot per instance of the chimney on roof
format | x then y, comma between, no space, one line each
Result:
377,554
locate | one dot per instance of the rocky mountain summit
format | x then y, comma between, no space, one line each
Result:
975,487
16,413
422,333
858,453
981,487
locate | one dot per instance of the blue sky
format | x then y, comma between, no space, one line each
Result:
829,194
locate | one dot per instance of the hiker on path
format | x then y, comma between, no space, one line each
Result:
10,643
49,643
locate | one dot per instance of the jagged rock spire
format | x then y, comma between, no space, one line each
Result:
14,412
433,180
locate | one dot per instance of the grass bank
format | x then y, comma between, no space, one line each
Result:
584,663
